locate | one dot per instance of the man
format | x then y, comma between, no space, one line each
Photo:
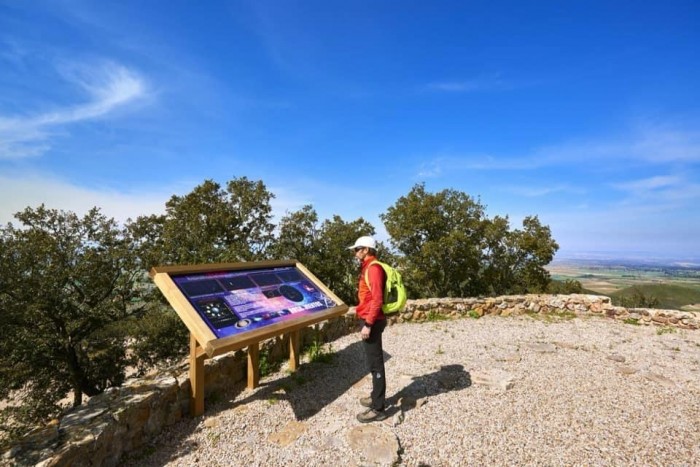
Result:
370,293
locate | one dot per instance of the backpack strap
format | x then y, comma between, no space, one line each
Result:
377,262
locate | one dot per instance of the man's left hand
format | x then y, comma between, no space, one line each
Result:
365,332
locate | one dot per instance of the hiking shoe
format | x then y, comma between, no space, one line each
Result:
371,415
366,402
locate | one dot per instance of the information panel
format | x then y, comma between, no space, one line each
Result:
230,306
232,302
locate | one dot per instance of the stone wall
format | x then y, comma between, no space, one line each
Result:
126,418
435,308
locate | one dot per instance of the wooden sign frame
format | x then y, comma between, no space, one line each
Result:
204,342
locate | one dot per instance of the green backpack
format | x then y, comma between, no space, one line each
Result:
394,290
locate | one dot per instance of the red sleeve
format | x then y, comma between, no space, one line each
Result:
377,278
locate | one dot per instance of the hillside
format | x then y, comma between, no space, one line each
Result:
673,297
676,286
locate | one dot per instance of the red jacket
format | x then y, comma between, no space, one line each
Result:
371,298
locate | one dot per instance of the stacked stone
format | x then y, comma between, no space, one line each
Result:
453,308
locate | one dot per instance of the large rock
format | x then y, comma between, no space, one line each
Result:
288,434
375,444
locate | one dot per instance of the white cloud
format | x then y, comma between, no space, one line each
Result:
535,192
12,51
440,165
286,200
455,86
109,87
651,183
646,144
662,191
481,83
663,144
431,169
19,192
624,228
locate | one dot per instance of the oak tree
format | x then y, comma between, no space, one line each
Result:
66,282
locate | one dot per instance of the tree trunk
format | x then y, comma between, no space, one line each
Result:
79,381
77,396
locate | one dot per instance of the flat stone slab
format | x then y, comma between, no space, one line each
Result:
288,435
493,378
566,345
212,422
541,348
363,382
657,378
374,444
627,370
616,358
511,357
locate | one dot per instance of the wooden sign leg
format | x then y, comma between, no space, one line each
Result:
294,338
253,365
197,357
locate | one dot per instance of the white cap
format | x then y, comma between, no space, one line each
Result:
364,242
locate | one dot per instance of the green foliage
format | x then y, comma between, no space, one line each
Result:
666,296
208,225
569,286
298,237
435,316
267,365
666,330
438,236
66,284
552,316
633,321
337,266
451,249
323,248
532,248
294,380
158,338
213,436
320,353
635,298
473,314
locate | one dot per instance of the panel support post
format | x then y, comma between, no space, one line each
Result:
253,365
294,338
197,357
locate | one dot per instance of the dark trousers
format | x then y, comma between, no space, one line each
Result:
375,364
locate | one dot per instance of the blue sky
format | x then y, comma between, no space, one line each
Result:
583,113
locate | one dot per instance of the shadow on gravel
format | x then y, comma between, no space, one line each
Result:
311,388
447,378
315,385
308,390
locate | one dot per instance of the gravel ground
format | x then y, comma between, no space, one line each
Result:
493,391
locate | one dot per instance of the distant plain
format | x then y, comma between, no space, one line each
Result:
676,286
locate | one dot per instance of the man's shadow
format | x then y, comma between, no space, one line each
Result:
315,384
447,378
